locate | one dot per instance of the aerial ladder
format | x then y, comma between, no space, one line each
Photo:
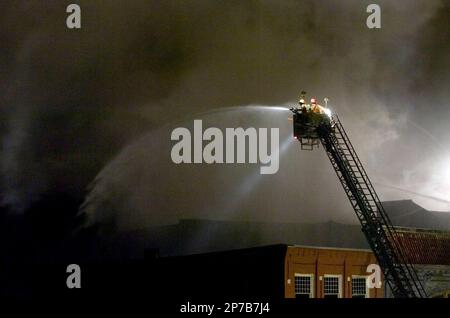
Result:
313,124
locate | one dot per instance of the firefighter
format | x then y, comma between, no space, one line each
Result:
302,104
316,108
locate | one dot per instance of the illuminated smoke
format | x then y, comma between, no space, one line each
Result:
71,101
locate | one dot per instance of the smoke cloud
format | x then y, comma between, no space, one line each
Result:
72,100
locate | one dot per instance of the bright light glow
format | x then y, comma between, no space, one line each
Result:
443,180
327,111
430,185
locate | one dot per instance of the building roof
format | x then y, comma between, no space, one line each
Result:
408,214
332,248
425,246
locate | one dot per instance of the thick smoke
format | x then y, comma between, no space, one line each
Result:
72,99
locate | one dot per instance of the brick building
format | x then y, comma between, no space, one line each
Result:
293,271
279,271
315,272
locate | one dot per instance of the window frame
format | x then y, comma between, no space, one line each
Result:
367,295
311,283
339,277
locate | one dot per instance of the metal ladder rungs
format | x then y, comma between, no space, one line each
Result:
366,205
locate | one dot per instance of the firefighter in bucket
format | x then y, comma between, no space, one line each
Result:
308,117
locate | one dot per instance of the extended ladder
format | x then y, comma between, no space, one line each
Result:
376,225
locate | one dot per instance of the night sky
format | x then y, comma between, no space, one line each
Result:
73,100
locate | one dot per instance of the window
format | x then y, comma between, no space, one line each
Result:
304,285
359,287
332,286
